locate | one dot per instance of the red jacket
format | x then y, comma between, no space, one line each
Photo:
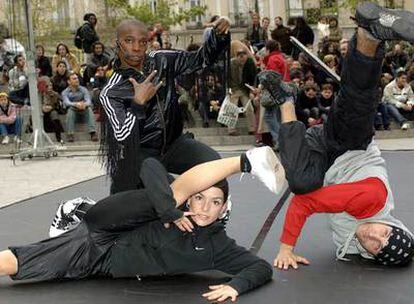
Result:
276,62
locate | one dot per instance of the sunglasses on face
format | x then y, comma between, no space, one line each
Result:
239,54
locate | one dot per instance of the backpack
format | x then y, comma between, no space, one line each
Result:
78,38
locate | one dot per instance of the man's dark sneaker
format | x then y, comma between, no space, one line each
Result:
384,23
70,138
274,90
94,137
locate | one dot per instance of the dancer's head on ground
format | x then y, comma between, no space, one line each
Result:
389,245
210,204
132,42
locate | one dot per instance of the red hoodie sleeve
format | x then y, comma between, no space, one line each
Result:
360,199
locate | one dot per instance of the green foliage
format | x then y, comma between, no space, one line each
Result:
163,12
313,15
352,4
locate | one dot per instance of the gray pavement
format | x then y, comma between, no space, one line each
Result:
30,178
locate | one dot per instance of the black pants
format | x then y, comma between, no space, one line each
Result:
183,154
84,251
307,155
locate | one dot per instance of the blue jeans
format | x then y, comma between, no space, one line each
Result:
73,115
272,117
384,118
394,113
12,129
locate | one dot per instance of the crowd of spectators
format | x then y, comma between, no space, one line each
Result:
69,89
268,47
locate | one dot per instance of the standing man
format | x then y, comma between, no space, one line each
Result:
141,104
282,34
88,35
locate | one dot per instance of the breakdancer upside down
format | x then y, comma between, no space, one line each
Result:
338,168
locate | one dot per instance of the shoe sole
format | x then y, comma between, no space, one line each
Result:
276,165
371,11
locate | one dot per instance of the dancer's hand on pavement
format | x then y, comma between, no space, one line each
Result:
220,293
222,25
183,223
146,90
286,258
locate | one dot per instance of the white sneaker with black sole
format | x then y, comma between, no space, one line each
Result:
68,216
267,167
405,126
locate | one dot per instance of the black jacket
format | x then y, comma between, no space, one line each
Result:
282,35
88,36
43,63
158,124
154,250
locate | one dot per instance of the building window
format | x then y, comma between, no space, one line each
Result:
239,12
197,21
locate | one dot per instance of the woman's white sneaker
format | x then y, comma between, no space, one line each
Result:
267,167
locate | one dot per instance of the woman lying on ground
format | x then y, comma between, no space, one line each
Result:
129,234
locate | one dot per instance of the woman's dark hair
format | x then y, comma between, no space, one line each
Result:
39,46
98,43
64,45
272,45
87,16
61,62
214,18
16,58
300,23
223,185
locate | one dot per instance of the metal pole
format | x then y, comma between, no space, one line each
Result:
33,93
42,144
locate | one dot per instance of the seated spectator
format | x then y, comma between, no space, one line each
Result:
410,75
18,81
282,34
399,100
265,25
296,77
275,61
10,122
382,120
325,100
211,95
98,82
60,78
156,34
78,101
155,46
242,70
397,58
332,62
63,54
98,59
255,33
51,106
307,106
335,32
43,67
